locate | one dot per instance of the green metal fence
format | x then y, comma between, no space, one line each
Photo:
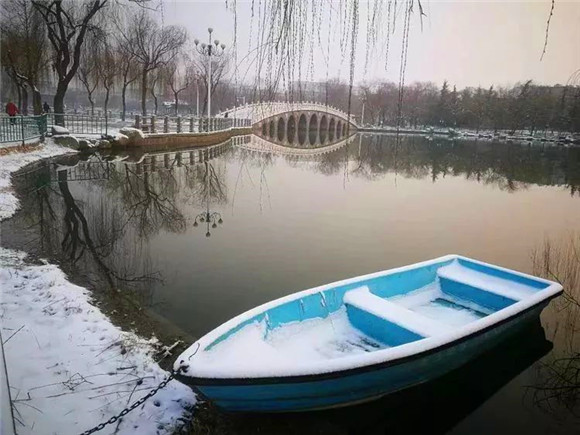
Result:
79,124
19,129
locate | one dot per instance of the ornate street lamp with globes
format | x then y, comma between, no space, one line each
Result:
216,49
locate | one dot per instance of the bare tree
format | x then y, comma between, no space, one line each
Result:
219,70
88,72
67,25
20,87
154,85
23,50
128,72
152,46
178,78
107,70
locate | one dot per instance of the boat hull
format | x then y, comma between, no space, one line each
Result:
348,387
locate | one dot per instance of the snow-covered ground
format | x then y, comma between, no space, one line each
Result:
14,161
69,367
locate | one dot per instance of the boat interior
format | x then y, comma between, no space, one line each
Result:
386,309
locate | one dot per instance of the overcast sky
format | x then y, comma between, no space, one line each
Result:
469,43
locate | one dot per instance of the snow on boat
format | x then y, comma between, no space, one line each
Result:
362,338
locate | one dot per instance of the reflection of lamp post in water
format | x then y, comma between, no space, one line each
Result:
213,218
209,50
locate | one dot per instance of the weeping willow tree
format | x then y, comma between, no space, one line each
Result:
286,35
290,39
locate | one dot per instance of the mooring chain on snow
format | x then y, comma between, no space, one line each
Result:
138,403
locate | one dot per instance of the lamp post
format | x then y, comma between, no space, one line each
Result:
197,96
209,50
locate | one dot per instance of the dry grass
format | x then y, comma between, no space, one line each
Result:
558,388
559,260
26,148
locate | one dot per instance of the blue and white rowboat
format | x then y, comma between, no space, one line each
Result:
362,338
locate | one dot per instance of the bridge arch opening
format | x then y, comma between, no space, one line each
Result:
338,129
323,131
344,129
313,129
281,129
272,129
331,129
302,129
264,129
291,129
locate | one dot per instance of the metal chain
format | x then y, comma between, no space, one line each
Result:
138,403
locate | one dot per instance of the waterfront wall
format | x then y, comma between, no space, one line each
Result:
160,141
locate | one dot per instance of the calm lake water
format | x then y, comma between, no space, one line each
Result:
291,220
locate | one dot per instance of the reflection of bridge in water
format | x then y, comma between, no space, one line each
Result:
257,144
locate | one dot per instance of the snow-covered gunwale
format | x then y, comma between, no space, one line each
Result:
364,337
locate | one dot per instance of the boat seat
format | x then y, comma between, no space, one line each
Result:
386,321
506,288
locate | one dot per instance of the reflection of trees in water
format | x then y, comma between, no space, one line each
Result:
102,230
333,162
558,388
249,159
509,167
149,200
211,187
83,231
97,236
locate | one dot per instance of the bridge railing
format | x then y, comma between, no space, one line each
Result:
190,124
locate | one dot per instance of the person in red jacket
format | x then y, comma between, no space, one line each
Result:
12,111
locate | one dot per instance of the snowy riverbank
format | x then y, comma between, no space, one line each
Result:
69,367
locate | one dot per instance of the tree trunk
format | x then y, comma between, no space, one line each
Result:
19,95
58,103
24,107
176,95
154,98
124,100
36,99
92,104
107,99
144,92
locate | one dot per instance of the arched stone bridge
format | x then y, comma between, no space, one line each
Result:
303,124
